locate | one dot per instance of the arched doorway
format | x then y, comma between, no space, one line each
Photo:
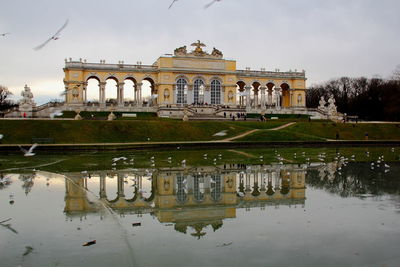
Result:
92,93
270,98
149,93
111,91
240,93
285,95
129,90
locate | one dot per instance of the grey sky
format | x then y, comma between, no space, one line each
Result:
326,38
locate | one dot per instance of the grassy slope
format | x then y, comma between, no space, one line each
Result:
22,131
306,131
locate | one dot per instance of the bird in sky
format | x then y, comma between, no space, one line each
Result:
172,3
212,2
29,153
56,36
4,34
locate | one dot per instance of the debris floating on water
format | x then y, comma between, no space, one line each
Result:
136,224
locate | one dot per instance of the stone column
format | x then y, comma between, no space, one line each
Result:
102,94
270,97
248,88
139,101
207,94
263,88
290,98
84,90
120,94
255,104
190,94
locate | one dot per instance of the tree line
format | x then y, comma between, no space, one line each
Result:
367,98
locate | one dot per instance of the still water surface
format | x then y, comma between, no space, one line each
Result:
281,208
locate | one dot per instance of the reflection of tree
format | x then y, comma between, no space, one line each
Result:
27,180
4,181
355,179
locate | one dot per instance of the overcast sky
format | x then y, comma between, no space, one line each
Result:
327,38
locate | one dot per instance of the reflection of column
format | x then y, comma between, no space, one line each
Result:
248,183
248,88
102,95
263,88
139,101
120,94
120,192
103,186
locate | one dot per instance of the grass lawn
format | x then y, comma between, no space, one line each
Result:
92,131
348,131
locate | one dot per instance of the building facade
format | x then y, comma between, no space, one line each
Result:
186,78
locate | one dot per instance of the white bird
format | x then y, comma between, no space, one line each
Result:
172,3
56,36
212,2
1,136
4,34
241,194
205,155
184,162
29,153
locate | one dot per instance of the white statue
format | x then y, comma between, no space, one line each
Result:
332,109
322,104
27,97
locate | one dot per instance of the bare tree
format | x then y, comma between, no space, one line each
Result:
4,94
396,73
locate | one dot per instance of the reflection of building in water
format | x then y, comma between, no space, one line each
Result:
194,198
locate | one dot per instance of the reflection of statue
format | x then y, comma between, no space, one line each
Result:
180,51
216,53
27,96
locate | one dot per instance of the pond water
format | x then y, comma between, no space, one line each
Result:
265,207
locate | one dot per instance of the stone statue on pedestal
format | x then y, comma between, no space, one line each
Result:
26,104
331,109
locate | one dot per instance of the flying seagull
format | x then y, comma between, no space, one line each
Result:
212,2
4,34
56,36
172,3
28,153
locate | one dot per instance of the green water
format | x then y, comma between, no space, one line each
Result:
264,207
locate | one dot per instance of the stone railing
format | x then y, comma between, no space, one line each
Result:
104,66
275,74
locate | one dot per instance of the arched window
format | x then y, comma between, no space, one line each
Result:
215,92
198,188
198,91
181,192
216,187
181,91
